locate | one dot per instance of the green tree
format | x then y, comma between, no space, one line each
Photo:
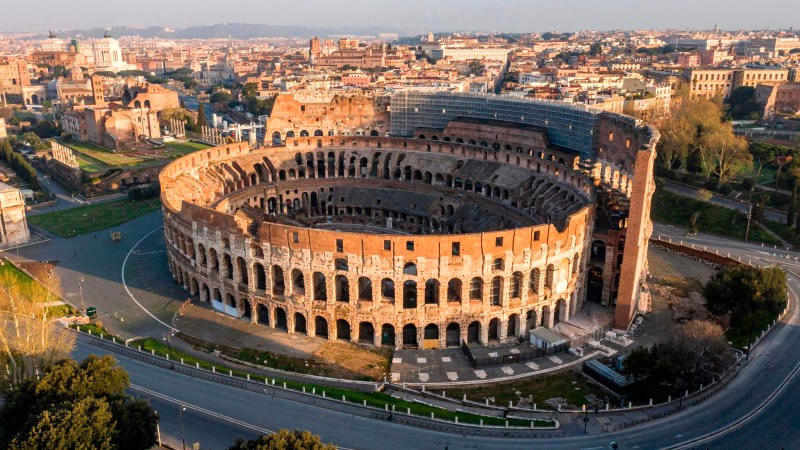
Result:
284,440
741,290
84,424
201,115
96,385
742,103
220,97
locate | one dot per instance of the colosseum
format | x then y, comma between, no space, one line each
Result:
473,219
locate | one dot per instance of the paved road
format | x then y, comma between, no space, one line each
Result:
237,411
98,260
689,191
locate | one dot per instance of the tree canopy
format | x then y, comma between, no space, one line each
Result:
696,138
284,440
76,405
741,291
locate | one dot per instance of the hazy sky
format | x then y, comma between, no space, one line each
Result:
412,16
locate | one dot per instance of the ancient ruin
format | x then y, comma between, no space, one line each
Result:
459,229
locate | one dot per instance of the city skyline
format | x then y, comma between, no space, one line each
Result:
417,16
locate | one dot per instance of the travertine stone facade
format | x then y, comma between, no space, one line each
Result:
246,228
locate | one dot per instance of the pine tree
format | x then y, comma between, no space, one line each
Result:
201,115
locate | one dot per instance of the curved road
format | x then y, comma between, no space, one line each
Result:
216,414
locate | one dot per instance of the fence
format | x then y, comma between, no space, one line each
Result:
280,389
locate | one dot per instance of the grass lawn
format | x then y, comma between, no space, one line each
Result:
376,399
24,115
568,385
104,155
676,209
31,289
85,219
182,148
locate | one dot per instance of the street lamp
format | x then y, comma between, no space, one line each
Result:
181,409
80,289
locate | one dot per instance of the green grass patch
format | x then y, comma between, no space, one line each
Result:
786,233
32,290
24,115
182,148
96,330
93,152
86,219
677,209
375,399
750,329
567,385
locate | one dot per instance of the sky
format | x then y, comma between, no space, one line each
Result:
406,16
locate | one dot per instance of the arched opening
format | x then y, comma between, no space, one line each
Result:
496,292
453,335
230,300
261,276
454,290
278,286
410,269
318,133
431,332
276,138
205,295
476,289
474,332
342,288
516,285
512,330
320,289
280,319
494,329
410,335
321,327
387,334
498,264
410,294
242,266
535,282
598,252
300,323
546,317
364,288
550,278
213,260
561,311
431,292
298,282
262,314
366,333
342,330
303,133
227,264
247,311
387,289
594,291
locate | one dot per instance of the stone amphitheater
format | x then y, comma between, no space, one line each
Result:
473,232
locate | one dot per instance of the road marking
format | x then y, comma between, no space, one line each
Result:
207,412
738,423
125,285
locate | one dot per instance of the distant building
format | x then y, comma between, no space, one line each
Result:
13,223
710,82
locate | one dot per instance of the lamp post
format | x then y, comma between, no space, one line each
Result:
181,409
80,289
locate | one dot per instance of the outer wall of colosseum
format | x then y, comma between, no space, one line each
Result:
436,286
383,289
